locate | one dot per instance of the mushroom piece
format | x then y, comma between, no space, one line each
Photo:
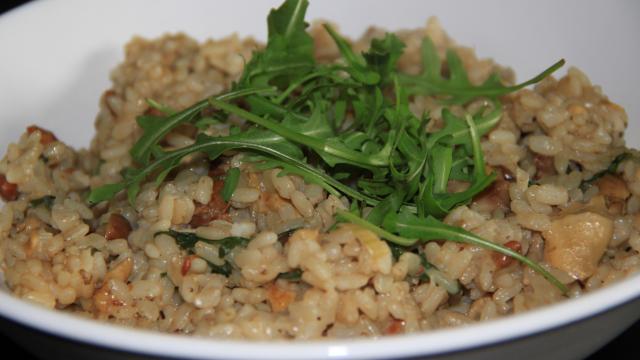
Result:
613,187
575,243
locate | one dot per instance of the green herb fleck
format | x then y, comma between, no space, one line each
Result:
293,275
47,201
612,169
188,241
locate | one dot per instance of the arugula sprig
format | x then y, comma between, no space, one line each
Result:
346,126
456,88
156,127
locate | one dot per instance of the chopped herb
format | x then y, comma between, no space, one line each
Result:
425,265
225,269
612,169
396,250
293,275
188,241
185,240
229,243
47,201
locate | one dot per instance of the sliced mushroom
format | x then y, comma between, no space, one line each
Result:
575,243
613,187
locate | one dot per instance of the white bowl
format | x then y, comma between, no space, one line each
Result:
56,58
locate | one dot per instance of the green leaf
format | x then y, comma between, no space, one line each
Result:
155,128
289,51
383,55
230,183
444,160
357,66
346,216
457,88
379,188
167,110
458,129
390,204
310,175
332,150
105,192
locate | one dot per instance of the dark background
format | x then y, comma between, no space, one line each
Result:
622,347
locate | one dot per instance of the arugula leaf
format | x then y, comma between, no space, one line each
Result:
435,198
383,55
155,128
457,88
289,51
214,147
332,150
230,183
161,107
390,204
357,64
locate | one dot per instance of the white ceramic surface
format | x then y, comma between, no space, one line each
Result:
56,57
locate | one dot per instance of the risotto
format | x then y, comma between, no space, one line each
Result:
338,195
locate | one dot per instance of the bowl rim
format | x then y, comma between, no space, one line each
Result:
418,344
440,341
